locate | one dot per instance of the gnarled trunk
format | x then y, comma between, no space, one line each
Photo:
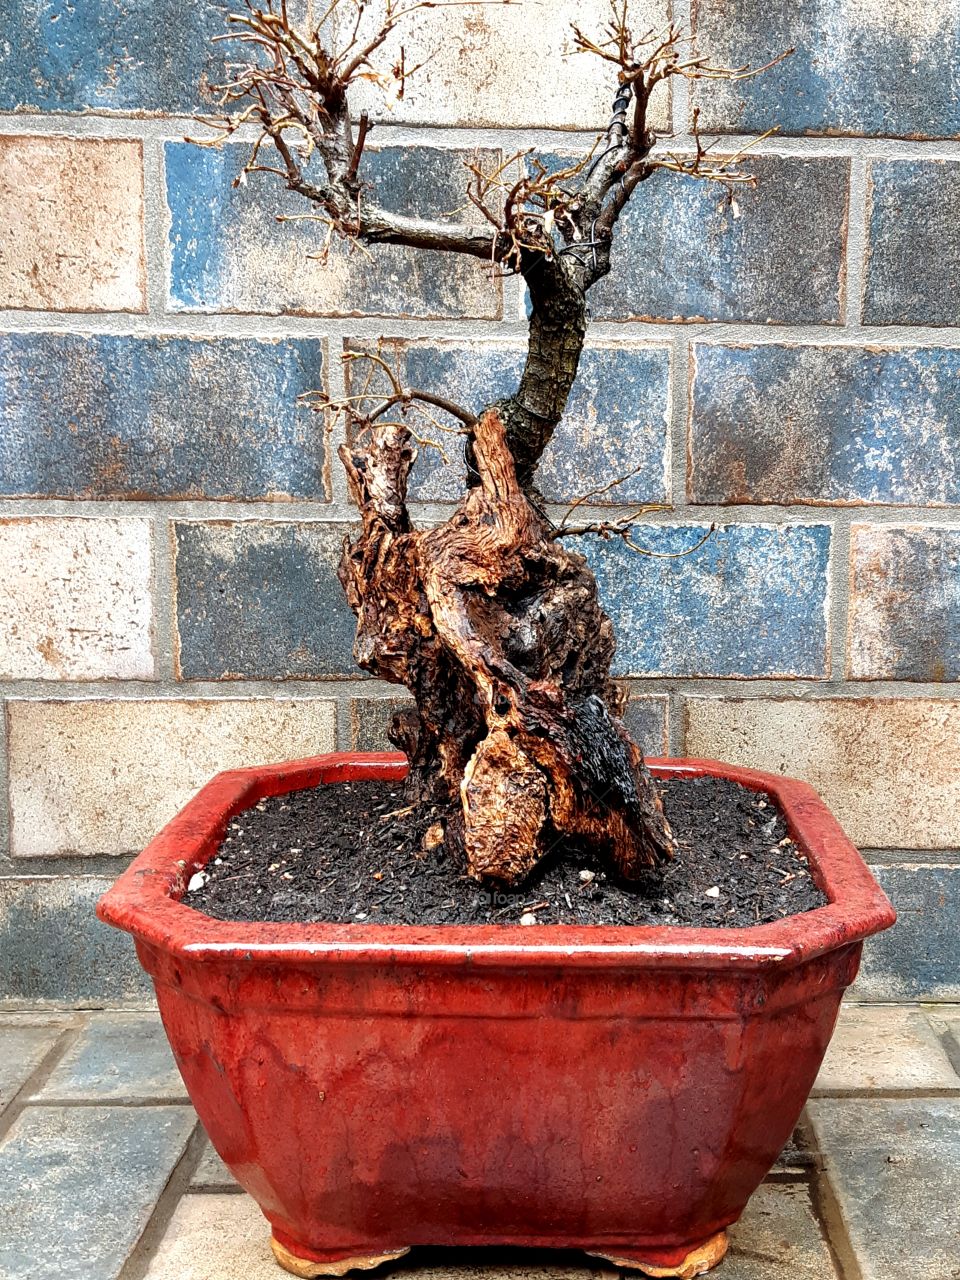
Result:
496,629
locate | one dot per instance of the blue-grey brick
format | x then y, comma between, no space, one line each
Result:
751,601
785,424
78,1186
615,423
112,55
918,958
369,718
261,600
142,417
229,253
116,1056
646,721
856,69
53,949
771,254
913,256
904,621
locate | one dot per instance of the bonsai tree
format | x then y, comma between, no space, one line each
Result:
490,619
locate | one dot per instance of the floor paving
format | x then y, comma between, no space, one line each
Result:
105,1173
894,1164
25,1045
117,1055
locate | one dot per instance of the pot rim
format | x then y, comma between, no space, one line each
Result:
144,901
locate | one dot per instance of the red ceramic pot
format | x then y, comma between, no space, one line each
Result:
616,1089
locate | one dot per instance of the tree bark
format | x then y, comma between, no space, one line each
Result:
497,631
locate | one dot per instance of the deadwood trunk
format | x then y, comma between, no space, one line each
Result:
495,628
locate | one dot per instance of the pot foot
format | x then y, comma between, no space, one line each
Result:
334,1265
696,1262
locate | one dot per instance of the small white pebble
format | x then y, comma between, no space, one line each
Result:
528,918
587,877
714,892
360,915
197,881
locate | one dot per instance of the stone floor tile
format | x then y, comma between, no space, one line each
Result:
211,1171
945,1020
884,1047
213,1237
117,1055
78,1184
894,1165
220,1237
778,1236
23,1046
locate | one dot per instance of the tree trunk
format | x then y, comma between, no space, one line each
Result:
496,630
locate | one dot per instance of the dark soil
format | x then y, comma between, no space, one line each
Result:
354,853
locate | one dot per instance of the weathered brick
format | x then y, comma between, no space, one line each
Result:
646,721
771,255
143,417
261,599
885,766
112,55
91,776
913,258
857,68
478,62
75,599
53,949
881,1047
917,959
228,253
791,424
904,621
72,238
894,1165
615,422
751,601
78,1186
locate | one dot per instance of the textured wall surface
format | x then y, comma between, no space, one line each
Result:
785,366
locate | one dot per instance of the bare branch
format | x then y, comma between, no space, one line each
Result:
295,89
365,410
622,528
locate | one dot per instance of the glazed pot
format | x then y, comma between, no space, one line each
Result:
621,1090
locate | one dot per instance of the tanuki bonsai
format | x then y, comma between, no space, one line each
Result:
489,619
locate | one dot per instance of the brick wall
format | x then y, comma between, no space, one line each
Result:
788,366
